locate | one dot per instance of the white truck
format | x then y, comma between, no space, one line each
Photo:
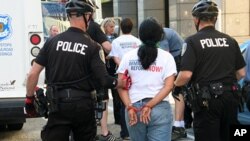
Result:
24,24
21,37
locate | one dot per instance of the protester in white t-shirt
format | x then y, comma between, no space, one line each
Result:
120,46
124,43
152,70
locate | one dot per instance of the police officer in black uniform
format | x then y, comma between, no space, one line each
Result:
98,35
213,63
70,58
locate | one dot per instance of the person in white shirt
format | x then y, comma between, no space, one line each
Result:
120,46
125,42
152,71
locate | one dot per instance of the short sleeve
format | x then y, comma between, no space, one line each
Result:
171,67
42,57
115,50
188,59
240,62
123,65
96,33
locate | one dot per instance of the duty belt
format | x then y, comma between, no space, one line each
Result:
225,86
72,93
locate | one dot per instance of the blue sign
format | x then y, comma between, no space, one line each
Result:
5,27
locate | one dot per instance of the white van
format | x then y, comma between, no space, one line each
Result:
21,37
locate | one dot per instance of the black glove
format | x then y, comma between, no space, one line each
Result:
176,91
39,92
41,103
29,106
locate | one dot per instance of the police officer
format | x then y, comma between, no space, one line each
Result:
96,33
213,63
70,58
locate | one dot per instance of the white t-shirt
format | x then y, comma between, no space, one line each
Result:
124,44
147,83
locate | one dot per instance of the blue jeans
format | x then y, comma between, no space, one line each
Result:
159,127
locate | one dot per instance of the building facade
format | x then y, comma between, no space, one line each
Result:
233,18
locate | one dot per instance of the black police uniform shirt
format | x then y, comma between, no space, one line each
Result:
71,56
97,35
212,56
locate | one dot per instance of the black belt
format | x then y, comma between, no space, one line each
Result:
73,93
226,86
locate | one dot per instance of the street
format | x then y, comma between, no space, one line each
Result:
32,127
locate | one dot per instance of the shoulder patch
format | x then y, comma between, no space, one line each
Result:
101,54
184,48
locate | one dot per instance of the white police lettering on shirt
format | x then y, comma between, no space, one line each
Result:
69,47
214,42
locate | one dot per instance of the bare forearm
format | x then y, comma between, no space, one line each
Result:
117,60
31,84
164,92
123,93
32,78
124,97
183,78
106,46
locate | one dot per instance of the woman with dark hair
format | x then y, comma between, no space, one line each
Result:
152,70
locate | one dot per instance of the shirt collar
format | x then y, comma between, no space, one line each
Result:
74,29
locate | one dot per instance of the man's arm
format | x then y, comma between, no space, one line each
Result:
117,60
33,78
97,35
183,78
164,92
106,46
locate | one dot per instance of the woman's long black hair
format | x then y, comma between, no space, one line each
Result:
150,33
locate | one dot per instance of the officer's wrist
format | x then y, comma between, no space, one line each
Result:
30,96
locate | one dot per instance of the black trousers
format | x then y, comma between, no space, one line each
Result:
73,115
213,124
188,118
116,103
116,106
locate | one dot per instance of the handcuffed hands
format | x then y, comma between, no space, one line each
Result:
132,115
145,114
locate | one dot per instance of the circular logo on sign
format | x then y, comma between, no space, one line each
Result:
5,27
